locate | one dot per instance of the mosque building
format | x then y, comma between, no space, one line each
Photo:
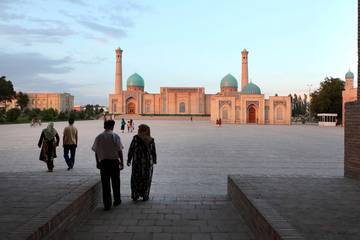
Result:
246,105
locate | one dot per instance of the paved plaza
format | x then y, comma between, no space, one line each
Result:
188,196
313,207
194,157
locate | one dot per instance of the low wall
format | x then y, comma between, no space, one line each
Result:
52,220
352,140
263,220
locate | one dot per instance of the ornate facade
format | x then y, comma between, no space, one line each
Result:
247,106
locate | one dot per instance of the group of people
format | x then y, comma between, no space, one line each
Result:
218,122
49,140
108,150
130,125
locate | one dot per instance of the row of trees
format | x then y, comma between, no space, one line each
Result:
7,94
17,115
326,99
22,114
300,106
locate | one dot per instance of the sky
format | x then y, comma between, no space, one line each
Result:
69,45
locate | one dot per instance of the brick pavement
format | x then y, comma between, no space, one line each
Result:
195,157
206,217
316,207
29,201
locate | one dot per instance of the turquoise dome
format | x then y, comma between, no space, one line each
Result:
135,80
251,88
349,74
229,81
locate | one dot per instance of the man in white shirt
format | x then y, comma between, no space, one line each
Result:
109,159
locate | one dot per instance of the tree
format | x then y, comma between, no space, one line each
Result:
13,114
22,100
7,92
328,98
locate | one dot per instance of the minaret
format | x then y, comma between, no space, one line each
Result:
244,69
118,71
349,80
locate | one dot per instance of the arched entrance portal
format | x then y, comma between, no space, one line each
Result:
252,114
131,106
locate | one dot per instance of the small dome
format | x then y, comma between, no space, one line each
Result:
251,88
349,74
135,80
229,81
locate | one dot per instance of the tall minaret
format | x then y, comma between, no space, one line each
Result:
244,69
118,71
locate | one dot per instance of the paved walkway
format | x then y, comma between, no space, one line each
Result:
194,158
165,218
317,207
28,200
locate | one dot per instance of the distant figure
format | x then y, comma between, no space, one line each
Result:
109,159
122,124
142,155
70,140
191,118
219,122
49,140
104,117
131,125
128,126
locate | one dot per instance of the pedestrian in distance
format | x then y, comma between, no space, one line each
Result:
132,126
49,140
128,126
142,156
109,159
122,125
219,122
70,141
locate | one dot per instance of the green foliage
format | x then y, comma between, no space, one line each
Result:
328,98
13,114
7,92
300,107
22,100
49,114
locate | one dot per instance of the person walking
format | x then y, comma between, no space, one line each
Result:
109,159
49,140
132,125
122,124
70,141
142,156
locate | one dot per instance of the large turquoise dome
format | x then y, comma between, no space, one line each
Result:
229,81
251,88
135,80
349,74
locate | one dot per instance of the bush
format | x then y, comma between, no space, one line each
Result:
49,114
13,114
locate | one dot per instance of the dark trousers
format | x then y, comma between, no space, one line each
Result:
109,169
69,160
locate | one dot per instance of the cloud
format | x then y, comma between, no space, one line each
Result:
29,71
78,2
106,30
40,34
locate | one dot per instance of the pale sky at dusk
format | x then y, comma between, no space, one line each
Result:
68,45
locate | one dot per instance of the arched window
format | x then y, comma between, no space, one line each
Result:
279,114
147,106
225,114
182,107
